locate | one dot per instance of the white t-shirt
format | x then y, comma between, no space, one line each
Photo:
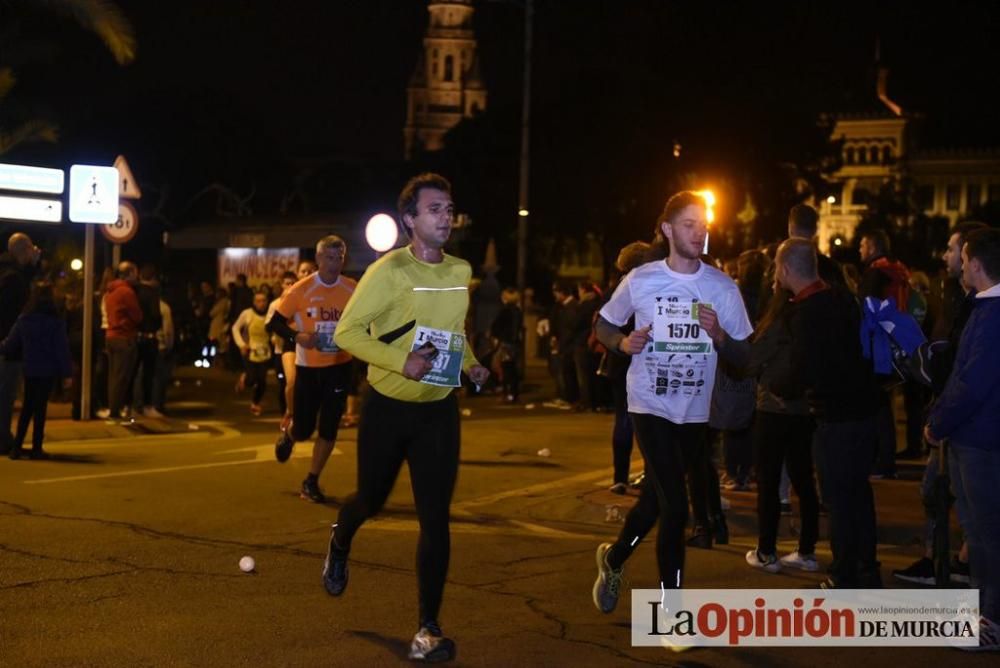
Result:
674,376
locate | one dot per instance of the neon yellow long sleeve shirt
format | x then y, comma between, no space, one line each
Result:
397,296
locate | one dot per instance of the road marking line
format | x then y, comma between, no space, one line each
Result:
172,469
516,528
124,474
570,481
227,434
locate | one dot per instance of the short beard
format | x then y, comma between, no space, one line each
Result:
681,253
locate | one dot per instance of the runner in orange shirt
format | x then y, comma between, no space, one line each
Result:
322,370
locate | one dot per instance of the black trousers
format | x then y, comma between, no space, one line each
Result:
426,436
738,447
257,378
147,352
703,482
844,452
279,370
122,354
666,448
622,432
784,439
36,403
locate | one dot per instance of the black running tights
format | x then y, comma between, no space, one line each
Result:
667,449
426,435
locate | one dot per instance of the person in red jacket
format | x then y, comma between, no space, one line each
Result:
124,316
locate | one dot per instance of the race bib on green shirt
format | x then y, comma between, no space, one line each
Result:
447,370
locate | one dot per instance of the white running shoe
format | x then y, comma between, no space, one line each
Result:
803,562
765,562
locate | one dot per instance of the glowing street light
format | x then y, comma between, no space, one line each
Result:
381,232
76,264
523,213
709,198
831,200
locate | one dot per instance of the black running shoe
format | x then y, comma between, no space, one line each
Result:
311,491
720,530
958,571
283,447
701,538
335,569
920,571
431,646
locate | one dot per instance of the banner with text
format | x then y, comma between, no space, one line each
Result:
804,618
261,265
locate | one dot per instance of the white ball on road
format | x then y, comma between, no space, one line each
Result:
247,564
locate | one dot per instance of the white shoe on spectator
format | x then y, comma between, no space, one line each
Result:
151,412
803,562
103,413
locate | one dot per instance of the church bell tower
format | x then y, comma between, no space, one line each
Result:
446,85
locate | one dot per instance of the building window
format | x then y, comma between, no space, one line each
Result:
862,156
873,155
953,197
849,156
886,155
925,198
449,68
973,193
859,197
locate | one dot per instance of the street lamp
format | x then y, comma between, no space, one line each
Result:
709,198
522,193
381,232
76,264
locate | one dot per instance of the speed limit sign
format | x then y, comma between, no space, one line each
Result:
125,228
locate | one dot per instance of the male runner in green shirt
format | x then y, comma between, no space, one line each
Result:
407,320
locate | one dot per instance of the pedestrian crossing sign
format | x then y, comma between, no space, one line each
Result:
93,194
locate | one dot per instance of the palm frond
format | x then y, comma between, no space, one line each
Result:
102,17
28,131
7,81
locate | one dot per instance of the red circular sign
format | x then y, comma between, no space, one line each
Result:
125,228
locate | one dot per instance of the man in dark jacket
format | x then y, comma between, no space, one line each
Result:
957,302
148,293
17,268
562,343
803,222
968,415
124,316
828,367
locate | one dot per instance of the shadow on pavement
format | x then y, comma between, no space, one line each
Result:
65,458
397,646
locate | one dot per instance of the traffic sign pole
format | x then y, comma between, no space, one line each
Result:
88,322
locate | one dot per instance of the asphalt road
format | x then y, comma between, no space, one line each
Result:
123,550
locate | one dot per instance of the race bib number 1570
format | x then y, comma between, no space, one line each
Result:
676,328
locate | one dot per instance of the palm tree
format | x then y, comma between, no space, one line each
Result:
102,17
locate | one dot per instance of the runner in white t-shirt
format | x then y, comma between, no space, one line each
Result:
686,314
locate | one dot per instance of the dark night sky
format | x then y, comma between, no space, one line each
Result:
239,91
